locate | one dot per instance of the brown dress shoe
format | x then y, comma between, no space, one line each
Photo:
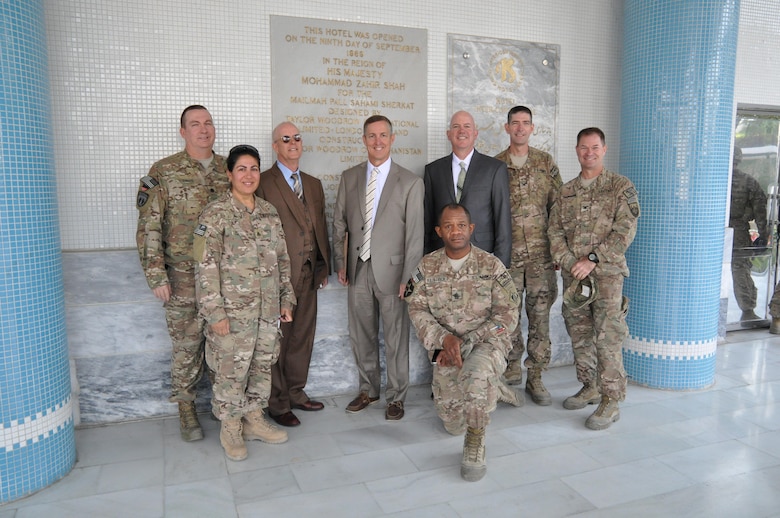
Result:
394,411
361,402
310,406
286,419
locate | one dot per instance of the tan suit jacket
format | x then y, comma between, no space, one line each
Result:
398,235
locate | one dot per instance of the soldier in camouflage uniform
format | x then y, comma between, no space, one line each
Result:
243,290
592,224
463,304
534,180
170,199
748,203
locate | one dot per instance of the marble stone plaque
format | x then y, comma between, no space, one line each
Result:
489,76
330,76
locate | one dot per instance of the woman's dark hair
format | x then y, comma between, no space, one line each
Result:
239,151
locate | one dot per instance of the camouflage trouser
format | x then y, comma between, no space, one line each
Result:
744,288
470,392
186,331
597,333
242,361
540,284
774,304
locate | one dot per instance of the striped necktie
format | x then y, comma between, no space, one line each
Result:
461,181
365,251
297,186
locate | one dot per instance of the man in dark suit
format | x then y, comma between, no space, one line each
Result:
378,199
300,201
476,181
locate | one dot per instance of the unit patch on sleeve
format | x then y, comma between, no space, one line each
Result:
141,200
632,198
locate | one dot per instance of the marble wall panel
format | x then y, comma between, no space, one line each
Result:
120,347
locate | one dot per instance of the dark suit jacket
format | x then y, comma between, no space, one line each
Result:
275,189
485,195
397,236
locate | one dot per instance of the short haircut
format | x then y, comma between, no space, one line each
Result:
592,131
237,152
519,109
189,109
453,206
377,118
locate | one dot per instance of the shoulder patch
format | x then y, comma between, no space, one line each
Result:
409,288
416,278
147,182
199,248
201,230
632,198
504,280
141,199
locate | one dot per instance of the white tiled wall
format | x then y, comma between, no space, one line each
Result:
121,72
758,54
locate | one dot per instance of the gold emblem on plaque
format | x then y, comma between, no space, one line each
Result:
506,70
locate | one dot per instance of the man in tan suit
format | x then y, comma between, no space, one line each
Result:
300,201
379,199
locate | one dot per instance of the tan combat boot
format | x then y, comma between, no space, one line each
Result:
473,466
231,440
257,427
536,389
514,372
606,414
750,319
588,395
188,422
774,328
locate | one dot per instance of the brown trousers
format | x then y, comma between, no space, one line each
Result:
289,373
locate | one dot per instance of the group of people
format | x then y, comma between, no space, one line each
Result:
238,256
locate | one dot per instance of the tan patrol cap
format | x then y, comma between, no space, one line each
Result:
581,293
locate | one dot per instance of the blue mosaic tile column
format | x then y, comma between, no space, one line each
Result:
676,126
37,444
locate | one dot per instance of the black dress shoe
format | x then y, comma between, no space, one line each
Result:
310,406
286,419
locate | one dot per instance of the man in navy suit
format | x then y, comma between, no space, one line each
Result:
476,181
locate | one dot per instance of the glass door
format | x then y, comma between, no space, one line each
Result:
753,215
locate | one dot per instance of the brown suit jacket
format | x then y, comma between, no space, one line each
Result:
275,189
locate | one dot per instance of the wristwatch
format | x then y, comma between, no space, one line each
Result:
592,257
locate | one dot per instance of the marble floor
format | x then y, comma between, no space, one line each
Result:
710,453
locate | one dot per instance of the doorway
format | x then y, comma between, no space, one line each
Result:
753,216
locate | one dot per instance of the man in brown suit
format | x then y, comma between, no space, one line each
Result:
300,201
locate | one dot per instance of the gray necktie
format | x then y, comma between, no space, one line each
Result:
297,186
461,180
365,252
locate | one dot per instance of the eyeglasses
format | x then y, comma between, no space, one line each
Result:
287,138
244,148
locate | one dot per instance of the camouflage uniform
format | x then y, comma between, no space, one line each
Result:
774,304
477,304
532,190
600,218
170,199
748,202
243,274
